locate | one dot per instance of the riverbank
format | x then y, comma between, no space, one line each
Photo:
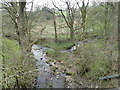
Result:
84,66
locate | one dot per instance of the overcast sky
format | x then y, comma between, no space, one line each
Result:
48,3
61,3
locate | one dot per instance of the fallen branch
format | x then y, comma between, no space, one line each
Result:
109,77
30,45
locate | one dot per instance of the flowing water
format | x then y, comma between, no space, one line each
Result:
46,77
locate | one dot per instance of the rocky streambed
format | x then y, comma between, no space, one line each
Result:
52,75
46,77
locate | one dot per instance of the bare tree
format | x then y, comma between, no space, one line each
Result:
11,8
18,15
21,26
69,18
83,12
54,22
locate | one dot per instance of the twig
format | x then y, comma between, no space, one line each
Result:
109,77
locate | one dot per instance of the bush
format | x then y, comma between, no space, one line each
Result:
94,60
17,70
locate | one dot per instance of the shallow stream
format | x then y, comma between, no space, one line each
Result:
46,77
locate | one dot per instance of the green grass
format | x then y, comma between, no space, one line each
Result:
63,36
99,68
95,57
10,50
64,56
58,55
57,46
14,63
95,44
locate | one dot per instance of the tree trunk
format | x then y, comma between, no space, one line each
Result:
72,33
18,34
55,27
119,38
21,27
105,24
83,11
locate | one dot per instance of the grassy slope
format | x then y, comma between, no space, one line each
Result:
11,50
13,58
99,63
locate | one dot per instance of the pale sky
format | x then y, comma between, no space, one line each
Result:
48,3
61,2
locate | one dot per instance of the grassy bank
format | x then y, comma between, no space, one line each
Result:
15,67
60,45
96,60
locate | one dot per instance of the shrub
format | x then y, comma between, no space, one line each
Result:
18,72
